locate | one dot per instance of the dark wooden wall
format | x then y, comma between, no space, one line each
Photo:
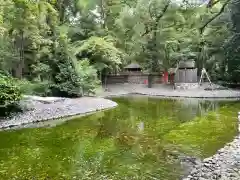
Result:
132,78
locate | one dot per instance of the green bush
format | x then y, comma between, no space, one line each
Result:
65,77
87,76
34,88
10,95
71,78
74,80
41,89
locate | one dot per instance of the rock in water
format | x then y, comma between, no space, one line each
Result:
141,126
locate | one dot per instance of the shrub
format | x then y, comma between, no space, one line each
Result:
34,88
87,76
10,95
41,89
74,80
65,78
71,78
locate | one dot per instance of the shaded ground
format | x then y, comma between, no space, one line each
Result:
168,91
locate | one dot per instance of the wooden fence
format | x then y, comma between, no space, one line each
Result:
186,76
132,78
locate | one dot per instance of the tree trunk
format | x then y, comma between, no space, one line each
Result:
150,79
202,58
105,81
20,65
62,10
155,57
102,12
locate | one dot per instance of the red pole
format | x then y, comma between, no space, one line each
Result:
166,77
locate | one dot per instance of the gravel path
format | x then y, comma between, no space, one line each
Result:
168,91
63,108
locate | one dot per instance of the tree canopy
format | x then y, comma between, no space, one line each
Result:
55,41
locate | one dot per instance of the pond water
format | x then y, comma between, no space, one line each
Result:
140,139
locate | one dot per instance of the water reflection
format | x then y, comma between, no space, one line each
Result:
140,139
197,107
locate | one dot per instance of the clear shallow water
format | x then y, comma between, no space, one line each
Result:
137,140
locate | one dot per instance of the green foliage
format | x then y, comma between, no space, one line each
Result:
180,33
87,77
33,49
10,94
232,46
34,88
100,50
109,33
64,73
9,56
70,78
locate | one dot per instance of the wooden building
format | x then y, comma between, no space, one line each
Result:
186,72
133,67
186,75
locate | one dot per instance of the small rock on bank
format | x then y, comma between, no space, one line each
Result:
224,165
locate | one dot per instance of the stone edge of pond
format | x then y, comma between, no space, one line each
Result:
66,109
224,165
190,96
53,122
173,96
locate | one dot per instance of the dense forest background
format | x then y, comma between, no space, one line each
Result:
63,47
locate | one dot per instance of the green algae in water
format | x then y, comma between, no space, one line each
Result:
112,144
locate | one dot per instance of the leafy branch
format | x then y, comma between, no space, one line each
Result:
156,17
201,29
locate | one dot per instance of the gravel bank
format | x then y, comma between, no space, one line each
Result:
224,165
42,111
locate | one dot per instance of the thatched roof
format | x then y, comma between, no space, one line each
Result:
133,66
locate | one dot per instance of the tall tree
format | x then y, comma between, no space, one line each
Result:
233,44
